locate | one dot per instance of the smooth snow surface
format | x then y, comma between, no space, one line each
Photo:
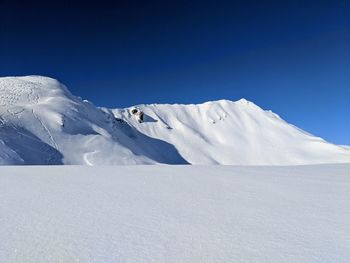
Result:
41,122
175,214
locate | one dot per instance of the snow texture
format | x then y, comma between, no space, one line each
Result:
175,214
41,122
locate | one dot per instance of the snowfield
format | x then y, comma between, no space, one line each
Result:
41,122
175,214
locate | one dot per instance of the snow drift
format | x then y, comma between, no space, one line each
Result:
41,122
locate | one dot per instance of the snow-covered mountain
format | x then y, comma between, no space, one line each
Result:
41,122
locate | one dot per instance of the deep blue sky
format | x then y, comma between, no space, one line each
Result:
289,56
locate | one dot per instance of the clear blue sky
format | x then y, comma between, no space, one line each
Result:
292,57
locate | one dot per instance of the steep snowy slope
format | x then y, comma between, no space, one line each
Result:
226,132
41,122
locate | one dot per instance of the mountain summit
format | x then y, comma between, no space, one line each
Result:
41,122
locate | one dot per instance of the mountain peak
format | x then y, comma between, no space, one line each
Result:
241,101
30,90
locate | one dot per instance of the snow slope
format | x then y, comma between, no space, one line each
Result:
175,214
41,122
226,132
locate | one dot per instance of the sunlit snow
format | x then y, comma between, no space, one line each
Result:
41,122
175,214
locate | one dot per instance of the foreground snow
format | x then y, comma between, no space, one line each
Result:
41,122
175,214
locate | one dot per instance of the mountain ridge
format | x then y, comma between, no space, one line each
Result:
42,122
